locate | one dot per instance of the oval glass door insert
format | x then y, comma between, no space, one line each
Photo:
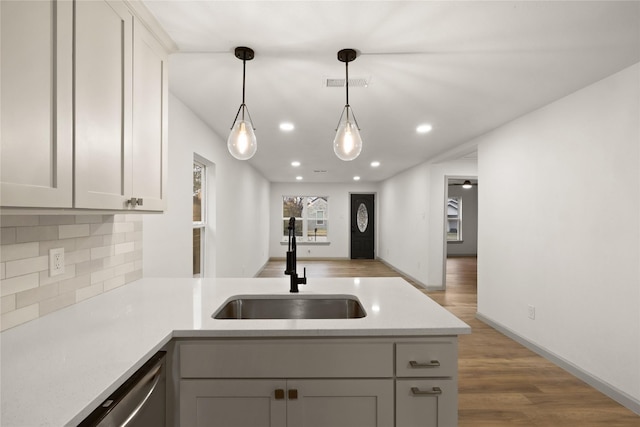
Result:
362,216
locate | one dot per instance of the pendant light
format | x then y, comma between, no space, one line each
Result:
347,144
467,184
242,140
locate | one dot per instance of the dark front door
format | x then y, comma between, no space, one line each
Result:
362,226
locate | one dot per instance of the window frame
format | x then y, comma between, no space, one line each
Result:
305,219
456,219
202,224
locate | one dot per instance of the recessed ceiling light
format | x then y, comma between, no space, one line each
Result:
299,178
375,164
424,128
286,126
295,164
356,178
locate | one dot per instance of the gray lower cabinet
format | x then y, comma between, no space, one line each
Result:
410,382
239,402
281,403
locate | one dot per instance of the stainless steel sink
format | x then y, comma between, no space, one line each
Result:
291,307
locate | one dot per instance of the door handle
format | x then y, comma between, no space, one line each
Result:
135,201
430,364
279,394
435,391
293,394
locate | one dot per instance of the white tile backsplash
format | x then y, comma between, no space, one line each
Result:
7,236
102,252
36,234
19,284
21,267
20,316
19,251
19,220
76,230
8,303
89,291
57,219
36,295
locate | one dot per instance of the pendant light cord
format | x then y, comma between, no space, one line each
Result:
346,67
243,106
244,74
347,107
244,71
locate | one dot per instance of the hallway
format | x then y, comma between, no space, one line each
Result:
501,383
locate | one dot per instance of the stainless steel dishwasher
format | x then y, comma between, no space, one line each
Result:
140,401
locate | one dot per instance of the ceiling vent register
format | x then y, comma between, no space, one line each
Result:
353,82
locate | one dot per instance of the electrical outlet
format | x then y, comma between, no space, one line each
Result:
56,262
532,312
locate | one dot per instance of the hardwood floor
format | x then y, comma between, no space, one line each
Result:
501,383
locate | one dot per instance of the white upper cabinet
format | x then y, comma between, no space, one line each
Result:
103,81
84,106
36,104
150,99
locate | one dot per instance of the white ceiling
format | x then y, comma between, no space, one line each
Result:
463,67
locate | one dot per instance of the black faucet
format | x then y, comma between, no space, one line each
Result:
291,259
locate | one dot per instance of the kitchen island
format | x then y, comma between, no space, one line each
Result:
57,368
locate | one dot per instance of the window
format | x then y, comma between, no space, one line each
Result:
199,217
454,219
311,217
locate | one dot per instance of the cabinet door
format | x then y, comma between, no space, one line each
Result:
149,119
340,403
426,403
232,403
36,103
103,71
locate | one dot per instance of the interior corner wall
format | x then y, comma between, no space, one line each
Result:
240,193
338,221
559,229
412,233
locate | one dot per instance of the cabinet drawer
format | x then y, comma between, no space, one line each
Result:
432,359
286,359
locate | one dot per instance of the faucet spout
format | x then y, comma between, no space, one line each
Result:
291,268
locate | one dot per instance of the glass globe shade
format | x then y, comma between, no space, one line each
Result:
242,140
347,144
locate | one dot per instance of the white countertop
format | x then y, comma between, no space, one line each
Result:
54,369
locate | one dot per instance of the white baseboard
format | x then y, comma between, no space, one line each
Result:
417,282
619,396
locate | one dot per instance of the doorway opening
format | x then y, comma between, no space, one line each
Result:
460,223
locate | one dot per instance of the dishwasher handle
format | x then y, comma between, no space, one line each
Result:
142,390
123,405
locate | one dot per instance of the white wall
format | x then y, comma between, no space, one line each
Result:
412,212
562,184
339,228
239,235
